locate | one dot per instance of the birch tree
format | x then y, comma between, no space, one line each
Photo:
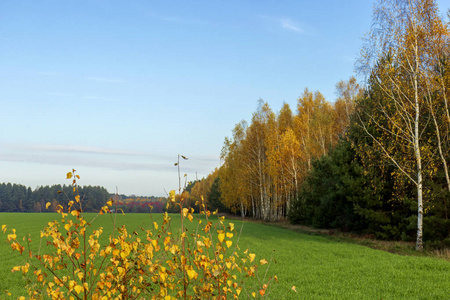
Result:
347,92
397,59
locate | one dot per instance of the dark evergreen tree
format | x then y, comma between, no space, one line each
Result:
213,198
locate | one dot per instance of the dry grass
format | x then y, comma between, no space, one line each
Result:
442,253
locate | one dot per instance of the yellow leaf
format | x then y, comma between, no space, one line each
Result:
252,256
231,226
162,276
25,268
221,236
47,205
294,288
185,211
263,261
78,288
69,175
71,284
110,202
172,195
229,243
156,225
116,252
80,275
4,228
67,227
207,242
191,274
254,294
77,198
229,235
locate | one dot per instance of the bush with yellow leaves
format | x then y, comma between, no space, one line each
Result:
202,263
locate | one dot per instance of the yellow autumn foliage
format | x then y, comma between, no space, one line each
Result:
158,265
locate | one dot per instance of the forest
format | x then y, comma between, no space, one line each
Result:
19,198
374,161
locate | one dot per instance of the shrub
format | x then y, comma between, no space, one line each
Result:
201,263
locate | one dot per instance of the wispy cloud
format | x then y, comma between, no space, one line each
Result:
286,24
60,160
290,25
71,149
104,158
104,163
101,79
33,148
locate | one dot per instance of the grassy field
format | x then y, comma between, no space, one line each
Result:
319,267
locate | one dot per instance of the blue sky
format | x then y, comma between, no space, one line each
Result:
117,89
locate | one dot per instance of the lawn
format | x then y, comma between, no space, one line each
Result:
319,267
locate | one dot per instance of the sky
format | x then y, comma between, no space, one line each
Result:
118,89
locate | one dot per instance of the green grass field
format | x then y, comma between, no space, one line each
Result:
319,267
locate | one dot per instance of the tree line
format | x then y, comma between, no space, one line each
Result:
19,198
374,161
266,161
205,191
136,204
